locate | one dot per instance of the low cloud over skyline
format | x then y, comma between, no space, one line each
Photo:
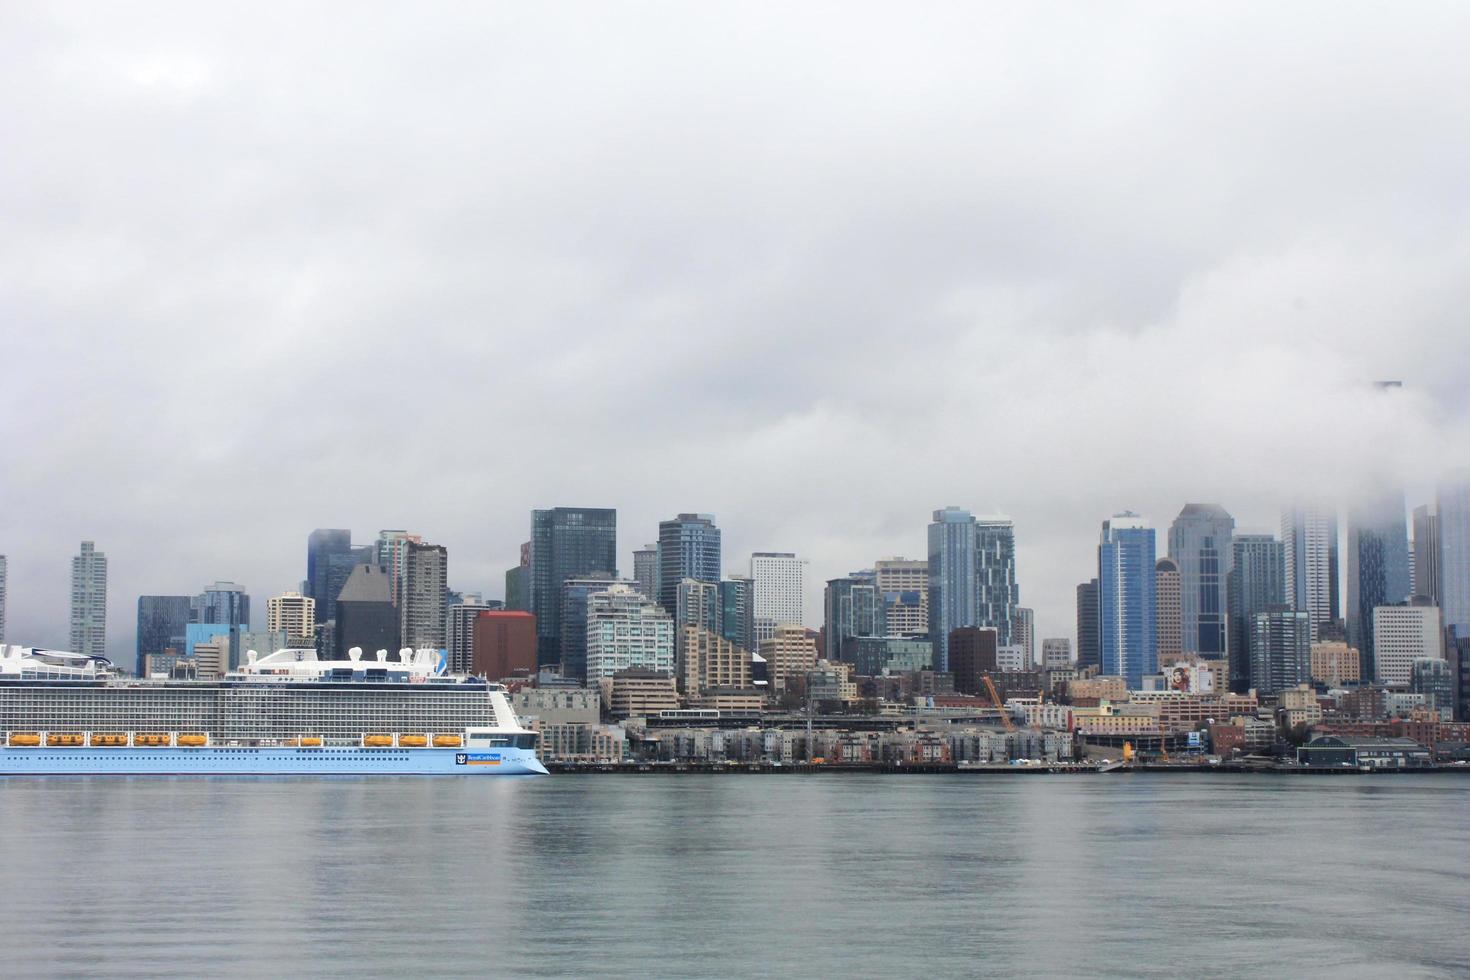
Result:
818,271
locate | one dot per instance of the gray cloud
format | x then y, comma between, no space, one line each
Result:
817,271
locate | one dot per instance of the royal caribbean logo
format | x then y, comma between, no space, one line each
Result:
477,758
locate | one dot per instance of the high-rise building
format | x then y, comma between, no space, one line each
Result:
566,542
697,610
952,590
904,583
321,545
1453,516
790,652
423,596
780,596
518,582
645,570
995,576
972,576
1309,537
626,629
89,601
391,552
1126,594
1199,543
1402,634
688,547
1169,628
1056,653
366,616
1425,573
1435,679
1024,635
163,624
1088,639
505,644
459,632
1334,664
1279,649
1378,568
3,570
853,607
575,593
222,609
973,653
293,614
737,611
708,660
1257,585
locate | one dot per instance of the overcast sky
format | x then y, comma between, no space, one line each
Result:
818,270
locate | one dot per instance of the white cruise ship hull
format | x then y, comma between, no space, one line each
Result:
245,761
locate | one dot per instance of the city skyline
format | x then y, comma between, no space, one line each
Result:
1052,621
752,295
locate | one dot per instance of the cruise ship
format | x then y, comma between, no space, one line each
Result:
284,713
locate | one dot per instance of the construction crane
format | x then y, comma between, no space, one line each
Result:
1005,716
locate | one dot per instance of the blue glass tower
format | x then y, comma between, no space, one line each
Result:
1126,592
688,547
951,578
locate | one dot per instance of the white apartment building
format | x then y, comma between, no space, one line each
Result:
1401,635
291,613
627,629
779,594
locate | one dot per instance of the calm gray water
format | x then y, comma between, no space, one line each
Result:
737,875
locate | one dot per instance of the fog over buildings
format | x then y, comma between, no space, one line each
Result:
819,272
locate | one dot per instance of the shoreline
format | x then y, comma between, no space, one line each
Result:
989,769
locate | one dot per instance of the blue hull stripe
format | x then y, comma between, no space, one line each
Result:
267,762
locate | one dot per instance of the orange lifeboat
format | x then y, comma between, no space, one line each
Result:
24,738
412,741
447,741
377,741
151,740
308,741
193,739
108,739
63,739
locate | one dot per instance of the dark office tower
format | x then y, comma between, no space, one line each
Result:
518,583
1167,615
1309,537
1087,626
645,570
1279,650
423,600
1427,565
688,547
854,607
737,611
972,655
1257,584
1199,542
574,593
321,545
566,542
997,594
163,622
1378,567
366,616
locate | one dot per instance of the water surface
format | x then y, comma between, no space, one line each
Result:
738,875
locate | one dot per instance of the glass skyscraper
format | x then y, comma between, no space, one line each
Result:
1454,555
1199,543
1378,567
1257,586
566,542
854,607
1126,584
688,547
972,577
1309,539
